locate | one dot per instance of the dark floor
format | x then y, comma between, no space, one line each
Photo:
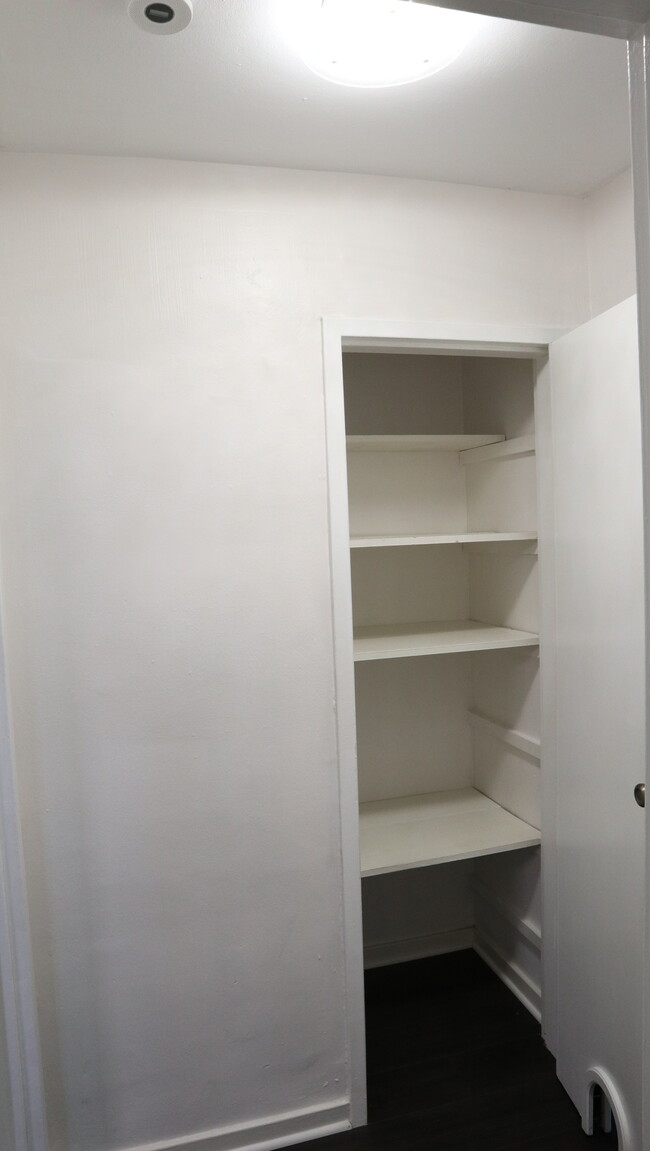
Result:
455,1063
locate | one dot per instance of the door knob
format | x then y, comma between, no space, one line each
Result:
639,794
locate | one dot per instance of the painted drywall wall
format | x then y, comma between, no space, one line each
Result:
163,511
410,914
609,231
401,393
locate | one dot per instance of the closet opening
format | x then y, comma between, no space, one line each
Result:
443,538
432,448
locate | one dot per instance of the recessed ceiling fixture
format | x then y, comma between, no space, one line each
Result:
380,43
160,17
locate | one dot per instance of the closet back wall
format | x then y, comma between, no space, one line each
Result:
165,582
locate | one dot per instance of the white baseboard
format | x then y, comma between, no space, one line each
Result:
511,944
521,985
262,1135
525,927
421,947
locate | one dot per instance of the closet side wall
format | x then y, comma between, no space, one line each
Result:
609,232
505,686
165,578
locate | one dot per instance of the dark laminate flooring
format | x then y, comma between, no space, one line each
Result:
456,1063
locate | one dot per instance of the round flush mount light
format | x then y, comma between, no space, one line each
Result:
380,43
162,17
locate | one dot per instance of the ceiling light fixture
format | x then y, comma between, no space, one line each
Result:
380,43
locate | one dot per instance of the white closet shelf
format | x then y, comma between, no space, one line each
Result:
400,541
420,830
399,641
454,443
479,453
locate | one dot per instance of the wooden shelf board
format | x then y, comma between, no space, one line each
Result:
394,541
452,443
400,641
421,830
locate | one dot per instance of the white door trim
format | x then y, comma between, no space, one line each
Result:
341,333
639,69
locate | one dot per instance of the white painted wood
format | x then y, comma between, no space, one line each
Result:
504,546
544,723
507,735
522,924
508,907
413,443
426,540
422,336
520,446
508,777
505,688
393,642
417,947
372,342
599,706
421,830
345,717
514,975
504,769
515,942
639,66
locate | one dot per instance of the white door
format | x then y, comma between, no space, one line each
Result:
6,1112
599,656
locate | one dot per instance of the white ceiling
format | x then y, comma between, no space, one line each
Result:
525,106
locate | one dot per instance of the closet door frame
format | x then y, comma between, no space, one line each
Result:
342,334
639,73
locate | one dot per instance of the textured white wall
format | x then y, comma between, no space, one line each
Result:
163,512
609,227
